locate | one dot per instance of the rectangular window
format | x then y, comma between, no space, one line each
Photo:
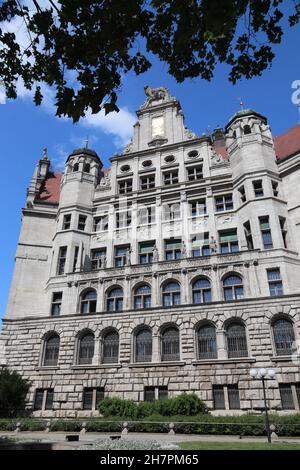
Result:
224,203
297,386
286,395
39,398
120,255
100,223
88,398
248,235
173,249
275,188
172,211
233,397
258,188
162,393
99,394
75,258
49,399
125,186
198,207
229,241
242,194
56,303
200,245
43,395
146,252
275,282
266,232
123,219
195,173
171,177
67,221
98,258
146,215
149,393
218,397
147,182
282,222
61,263
82,222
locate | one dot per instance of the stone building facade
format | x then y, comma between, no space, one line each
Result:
175,270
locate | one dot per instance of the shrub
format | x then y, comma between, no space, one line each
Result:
117,407
64,425
13,391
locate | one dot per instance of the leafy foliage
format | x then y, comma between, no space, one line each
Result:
83,47
13,391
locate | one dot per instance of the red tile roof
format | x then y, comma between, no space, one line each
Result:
287,143
50,189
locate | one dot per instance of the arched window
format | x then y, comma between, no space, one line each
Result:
115,300
170,344
236,340
76,167
233,287
207,342
86,348
87,168
284,336
247,129
143,346
142,297
110,347
201,291
171,294
51,350
88,301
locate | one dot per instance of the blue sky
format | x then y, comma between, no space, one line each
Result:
26,129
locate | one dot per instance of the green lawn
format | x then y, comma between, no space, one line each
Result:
236,446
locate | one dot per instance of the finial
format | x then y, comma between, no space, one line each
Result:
87,142
241,103
45,153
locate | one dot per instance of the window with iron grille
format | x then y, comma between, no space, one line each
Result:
233,397
195,173
228,241
200,245
224,203
146,215
173,249
120,255
88,301
143,346
86,349
39,399
286,395
100,223
198,207
207,342
88,398
82,222
67,222
149,393
56,303
266,232
61,263
284,337
171,294
248,235
98,258
115,300
110,348
275,282
171,177
43,399
201,291
172,211
51,351
125,186
233,288
258,188
218,397
236,340
162,392
49,399
148,182
170,345
142,297
283,229
146,252
123,219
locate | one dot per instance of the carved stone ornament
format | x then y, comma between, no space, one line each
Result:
127,148
105,182
216,158
189,134
155,94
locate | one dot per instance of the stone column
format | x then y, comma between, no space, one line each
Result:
221,344
155,347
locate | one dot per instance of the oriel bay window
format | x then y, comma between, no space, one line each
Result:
275,282
67,222
82,222
61,262
170,344
266,232
51,350
110,347
236,340
258,188
142,297
284,336
86,348
171,294
146,252
173,249
143,345
200,245
201,291
115,300
88,301
228,241
207,342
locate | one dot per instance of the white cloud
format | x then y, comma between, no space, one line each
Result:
60,157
